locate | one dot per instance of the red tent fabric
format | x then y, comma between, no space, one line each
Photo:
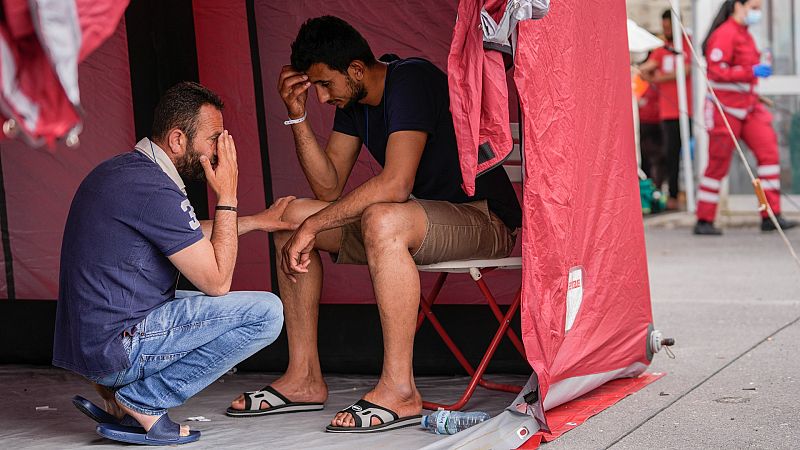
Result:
39,185
586,301
213,21
41,44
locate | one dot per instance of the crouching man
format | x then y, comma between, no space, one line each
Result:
130,233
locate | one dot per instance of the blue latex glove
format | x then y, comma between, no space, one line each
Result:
762,70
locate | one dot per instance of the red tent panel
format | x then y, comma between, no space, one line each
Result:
224,62
40,184
581,197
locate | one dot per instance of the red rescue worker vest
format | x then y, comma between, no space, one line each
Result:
731,54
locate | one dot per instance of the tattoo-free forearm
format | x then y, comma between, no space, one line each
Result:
225,240
317,166
245,224
351,206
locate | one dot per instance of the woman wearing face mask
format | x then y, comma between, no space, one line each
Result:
734,68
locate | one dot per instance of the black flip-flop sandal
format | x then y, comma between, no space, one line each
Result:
363,412
278,404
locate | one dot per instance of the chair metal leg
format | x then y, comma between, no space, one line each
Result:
499,315
426,309
478,374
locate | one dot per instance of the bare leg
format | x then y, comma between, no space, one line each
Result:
392,232
303,381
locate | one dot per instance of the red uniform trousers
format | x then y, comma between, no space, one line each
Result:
757,132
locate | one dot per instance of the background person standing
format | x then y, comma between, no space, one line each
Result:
734,67
660,70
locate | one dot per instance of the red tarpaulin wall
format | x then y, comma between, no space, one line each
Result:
224,63
582,209
409,28
40,184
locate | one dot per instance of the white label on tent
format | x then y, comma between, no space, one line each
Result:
574,295
668,64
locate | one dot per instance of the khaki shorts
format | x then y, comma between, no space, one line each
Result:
455,231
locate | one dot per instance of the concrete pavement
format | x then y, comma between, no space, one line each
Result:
732,304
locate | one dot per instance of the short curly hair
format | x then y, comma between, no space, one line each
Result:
332,41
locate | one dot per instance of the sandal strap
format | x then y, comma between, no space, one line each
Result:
363,411
252,400
164,430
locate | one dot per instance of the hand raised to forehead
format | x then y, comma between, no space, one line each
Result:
223,179
293,89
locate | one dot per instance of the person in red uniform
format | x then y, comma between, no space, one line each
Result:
734,67
660,70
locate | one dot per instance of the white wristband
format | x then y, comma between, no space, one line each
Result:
298,120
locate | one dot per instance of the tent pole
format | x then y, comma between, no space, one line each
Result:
680,78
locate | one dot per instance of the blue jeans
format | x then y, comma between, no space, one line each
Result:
186,344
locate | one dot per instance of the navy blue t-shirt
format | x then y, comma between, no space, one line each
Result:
126,218
416,97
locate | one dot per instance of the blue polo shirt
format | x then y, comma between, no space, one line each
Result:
127,217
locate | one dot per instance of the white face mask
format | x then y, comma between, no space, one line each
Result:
753,17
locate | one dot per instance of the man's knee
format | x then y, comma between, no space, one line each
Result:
384,224
296,211
260,310
299,209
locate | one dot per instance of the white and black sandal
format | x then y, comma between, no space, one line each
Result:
278,404
363,412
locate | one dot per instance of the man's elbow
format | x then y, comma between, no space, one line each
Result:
400,192
218,292
327,196
217,289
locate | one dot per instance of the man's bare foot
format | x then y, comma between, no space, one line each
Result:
147,421
404,402
295,389
110,403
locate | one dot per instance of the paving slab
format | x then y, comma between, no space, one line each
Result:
718,297
753,403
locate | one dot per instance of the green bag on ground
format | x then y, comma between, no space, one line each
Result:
653,200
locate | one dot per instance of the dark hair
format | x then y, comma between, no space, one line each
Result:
179,108
332,41
724,13
667,14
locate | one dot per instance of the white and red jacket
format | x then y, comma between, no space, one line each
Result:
477,81
731,53
41,44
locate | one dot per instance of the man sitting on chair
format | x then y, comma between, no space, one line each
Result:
413,212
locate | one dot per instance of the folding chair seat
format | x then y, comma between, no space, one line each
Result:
476,269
